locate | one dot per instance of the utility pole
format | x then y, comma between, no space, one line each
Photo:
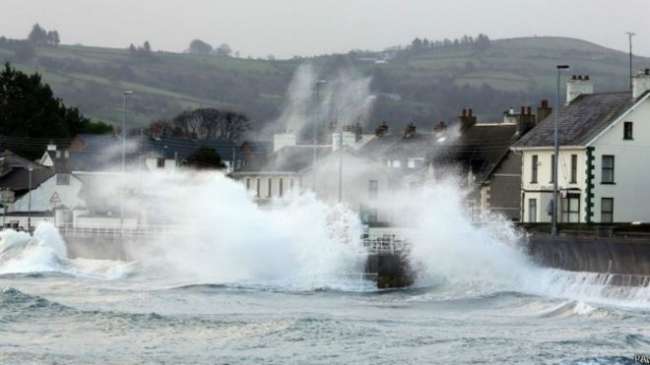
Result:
122,183
319,83
556,157
340,163
29,199
629,36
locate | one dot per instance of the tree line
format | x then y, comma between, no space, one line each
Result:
28,109
480,43
200,47
203,123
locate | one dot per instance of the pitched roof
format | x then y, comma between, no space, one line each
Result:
15,172
182,148
580,121
481,147
103,152
287,159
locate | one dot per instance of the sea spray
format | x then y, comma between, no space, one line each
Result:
22,253
223,236
46,252
452,245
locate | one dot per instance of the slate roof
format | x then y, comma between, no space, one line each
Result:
169,147
580,121
104,152
288,159
15,173
481,148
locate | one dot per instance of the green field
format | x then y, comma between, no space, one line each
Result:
432,84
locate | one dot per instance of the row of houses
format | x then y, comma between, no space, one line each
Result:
66,185
506,164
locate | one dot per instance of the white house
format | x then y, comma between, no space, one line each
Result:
603,174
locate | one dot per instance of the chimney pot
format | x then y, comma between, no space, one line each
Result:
529,110
469,112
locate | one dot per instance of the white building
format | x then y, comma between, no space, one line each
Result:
603,175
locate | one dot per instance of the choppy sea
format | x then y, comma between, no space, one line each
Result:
55,310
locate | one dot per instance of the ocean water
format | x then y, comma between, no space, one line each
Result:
57,310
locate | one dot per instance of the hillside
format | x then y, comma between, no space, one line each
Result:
423,86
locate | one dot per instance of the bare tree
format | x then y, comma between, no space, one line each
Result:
210,123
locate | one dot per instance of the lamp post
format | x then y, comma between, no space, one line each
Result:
630,35
340,162
29,198
126,94
556,156
319,84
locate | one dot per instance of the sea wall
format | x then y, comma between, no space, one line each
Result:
100,247
625,256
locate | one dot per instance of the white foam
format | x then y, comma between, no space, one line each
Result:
46,252
299,242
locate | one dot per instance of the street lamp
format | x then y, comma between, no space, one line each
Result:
556,158
630,35
319,84
29,198
126,94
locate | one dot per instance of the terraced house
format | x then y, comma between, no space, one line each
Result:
604,142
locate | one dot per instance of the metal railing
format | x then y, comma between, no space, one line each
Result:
141,231
386,244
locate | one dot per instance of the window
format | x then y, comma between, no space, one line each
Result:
259,183
532,210
291,184
552,168
248,184
373,189
574,169
533,172
160,163
415,162
607,210
628,131
269,193
607,174
62,179
397,164
571,208
281,188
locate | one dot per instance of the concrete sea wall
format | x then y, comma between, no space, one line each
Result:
627,259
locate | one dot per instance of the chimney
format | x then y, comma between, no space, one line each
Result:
525,121
641,83
509,116
578,85
409,131
281,140
467,119
543,110
381,130
346,137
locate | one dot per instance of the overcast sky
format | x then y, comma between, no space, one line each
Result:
286,28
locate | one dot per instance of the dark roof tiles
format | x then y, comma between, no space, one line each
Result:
580,121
